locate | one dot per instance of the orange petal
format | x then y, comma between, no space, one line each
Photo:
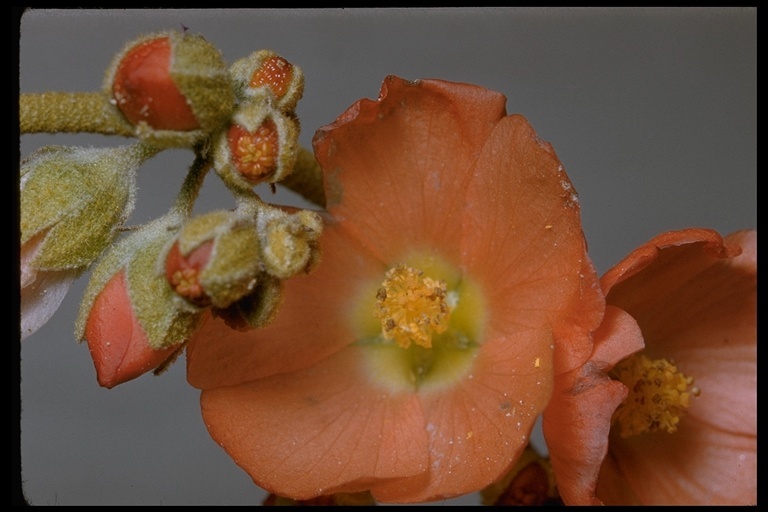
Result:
478,427
396,169
647,253
313,322
578,418
321,430
118,345
697,465
522,236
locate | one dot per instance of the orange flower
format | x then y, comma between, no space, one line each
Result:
683,430
414,360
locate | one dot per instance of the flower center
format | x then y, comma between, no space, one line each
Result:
412,307
659,394
421,327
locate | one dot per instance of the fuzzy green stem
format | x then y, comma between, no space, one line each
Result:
71,112
306,178
190,189
249,202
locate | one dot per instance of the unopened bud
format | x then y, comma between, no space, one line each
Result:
118,344
75,199
129,309
268,76
173,87
215,259
261,145
290,241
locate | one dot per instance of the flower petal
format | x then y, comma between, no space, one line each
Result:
118,345
320,430
697,465
481,425
42,291
522,235
317,320
578,419
396,169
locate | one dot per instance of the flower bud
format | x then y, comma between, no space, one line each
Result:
172,86
261,145
290,241
214,260
118,344
529,482
129,313
265,75
72,201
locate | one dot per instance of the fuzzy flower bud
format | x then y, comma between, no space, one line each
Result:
129,315
72,200
265,75
214,260
261,145
290,241
172,86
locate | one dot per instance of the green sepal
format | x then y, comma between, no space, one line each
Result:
256,309
80,196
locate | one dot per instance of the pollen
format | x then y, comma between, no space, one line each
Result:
412,307
659,395
255,154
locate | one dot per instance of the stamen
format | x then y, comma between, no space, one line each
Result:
255,153
659,394
411,307
185,283
183,272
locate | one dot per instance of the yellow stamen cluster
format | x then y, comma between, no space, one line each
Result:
659,394
255,153
185,283
411,306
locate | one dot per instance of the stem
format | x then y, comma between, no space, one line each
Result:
306,178
248,202
190,189
72,112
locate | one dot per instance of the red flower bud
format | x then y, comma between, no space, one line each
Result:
119,345
254,154
274,72
145,91
173,87
260,145
264,76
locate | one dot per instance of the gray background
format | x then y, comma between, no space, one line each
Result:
651,111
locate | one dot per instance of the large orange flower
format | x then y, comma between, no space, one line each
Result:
684,428
415,359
